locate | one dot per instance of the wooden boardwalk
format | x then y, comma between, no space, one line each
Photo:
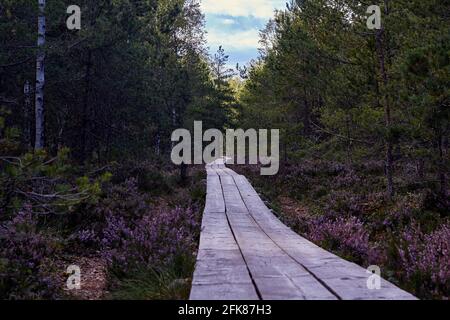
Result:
246,253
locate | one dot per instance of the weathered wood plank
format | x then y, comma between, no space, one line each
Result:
243,245
272,269
223,291
220,272
267,263
346,279
232,197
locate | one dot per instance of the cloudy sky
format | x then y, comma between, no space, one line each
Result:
235,25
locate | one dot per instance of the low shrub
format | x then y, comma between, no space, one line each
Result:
425,258
346,236
150,241
170,282
25,259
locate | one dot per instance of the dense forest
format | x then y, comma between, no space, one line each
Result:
85,171
364,118
86,118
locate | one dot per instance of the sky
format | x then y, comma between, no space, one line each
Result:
235,25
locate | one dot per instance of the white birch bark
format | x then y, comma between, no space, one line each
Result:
40,78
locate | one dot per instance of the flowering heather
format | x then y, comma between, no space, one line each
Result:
123,200
24,260
345,210
152,240
346,235
344,203
132,233
425,259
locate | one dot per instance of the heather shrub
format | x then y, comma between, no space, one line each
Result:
25,265
124,200
346,179
347,236
149,177
149,241
134,234
425,259
310,169
132,231
197,189
408,210
148,244
339,203
371,166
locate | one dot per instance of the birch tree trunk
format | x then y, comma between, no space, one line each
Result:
40,79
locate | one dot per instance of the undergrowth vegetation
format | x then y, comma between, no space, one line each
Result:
147,237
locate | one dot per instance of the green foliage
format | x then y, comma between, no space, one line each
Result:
119,86
169,283
320,81
48,184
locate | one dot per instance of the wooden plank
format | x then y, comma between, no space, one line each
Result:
232,197
267,263
220,271
275,274
230,172
214,197
214,203
346,279
223,291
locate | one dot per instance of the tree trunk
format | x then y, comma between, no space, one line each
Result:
27,114
183,174
306,116
380,45
442,171
40,79
349,142
174,124
158,144
420,168
85,116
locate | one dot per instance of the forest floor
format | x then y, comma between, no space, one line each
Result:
133,236
94,278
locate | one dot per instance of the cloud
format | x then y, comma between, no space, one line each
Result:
228,21
241,40
235,25
241,8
